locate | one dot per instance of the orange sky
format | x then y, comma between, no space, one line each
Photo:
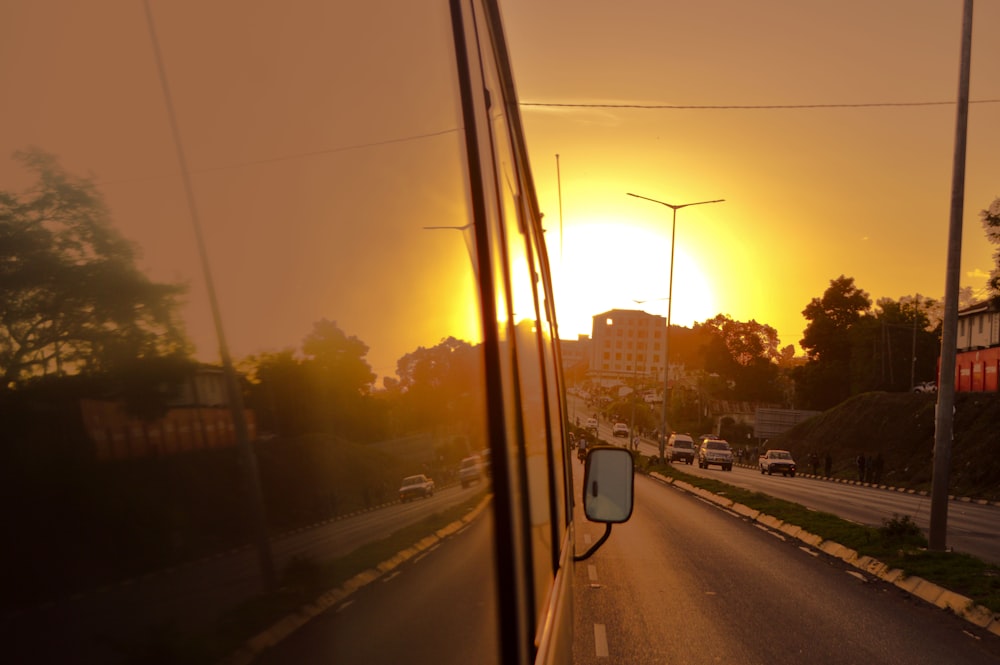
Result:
810,194
289,112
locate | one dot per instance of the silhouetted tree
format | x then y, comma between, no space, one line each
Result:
439,386
71,297
744,355
825,379
991,224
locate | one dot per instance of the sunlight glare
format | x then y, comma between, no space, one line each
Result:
609,266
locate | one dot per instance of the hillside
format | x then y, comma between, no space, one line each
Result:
900,426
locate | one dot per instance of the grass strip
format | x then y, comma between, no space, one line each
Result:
898,543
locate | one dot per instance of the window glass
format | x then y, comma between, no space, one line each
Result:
523,276
316,153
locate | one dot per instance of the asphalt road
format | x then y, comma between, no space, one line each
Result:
972,528
687,582
430,610
124,622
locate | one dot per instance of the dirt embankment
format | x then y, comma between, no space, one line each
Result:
900,427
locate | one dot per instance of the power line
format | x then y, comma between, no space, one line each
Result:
289,157
746,107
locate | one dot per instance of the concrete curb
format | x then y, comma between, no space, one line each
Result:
960,605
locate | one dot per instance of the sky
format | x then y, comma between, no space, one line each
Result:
290,111
810,193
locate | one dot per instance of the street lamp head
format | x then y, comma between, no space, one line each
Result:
675,206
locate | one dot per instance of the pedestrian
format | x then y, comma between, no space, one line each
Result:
635,442
828,464
861,468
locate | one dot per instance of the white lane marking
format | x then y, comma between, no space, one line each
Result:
809,551
392,575
857,575
345,605
592,572
600,640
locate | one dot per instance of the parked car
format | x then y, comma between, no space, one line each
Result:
416,486
470,470
715,451
620,429
779,461
680,447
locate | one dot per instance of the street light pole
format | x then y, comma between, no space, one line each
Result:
670,305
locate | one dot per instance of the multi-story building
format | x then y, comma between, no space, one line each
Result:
977,364
575,357
627,345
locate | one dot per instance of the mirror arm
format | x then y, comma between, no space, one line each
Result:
586,555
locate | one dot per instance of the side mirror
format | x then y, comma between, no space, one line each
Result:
608,483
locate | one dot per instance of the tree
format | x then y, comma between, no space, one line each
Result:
439,386
825,379
71,297
340,358
991,224
744,355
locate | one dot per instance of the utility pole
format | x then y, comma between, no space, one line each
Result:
945,413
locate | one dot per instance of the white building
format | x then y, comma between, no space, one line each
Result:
626,345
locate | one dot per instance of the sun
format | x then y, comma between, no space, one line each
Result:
606,266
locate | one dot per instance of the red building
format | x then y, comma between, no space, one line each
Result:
199,418
977,364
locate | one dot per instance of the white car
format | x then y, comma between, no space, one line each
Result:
620,429
680,447
470,470
777,461
416,486
715,451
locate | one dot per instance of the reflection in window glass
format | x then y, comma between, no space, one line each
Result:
325,154
522,280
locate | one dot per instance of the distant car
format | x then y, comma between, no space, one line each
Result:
680,447
925,387
620,429
416,486
470,470
705,437
715,451
591,423
777,461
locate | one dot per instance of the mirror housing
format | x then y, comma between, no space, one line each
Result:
608,483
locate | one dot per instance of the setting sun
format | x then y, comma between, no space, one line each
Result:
608,265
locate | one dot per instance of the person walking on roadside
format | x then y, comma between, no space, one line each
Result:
861,468
878,465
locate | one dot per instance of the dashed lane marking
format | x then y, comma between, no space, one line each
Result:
600,640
